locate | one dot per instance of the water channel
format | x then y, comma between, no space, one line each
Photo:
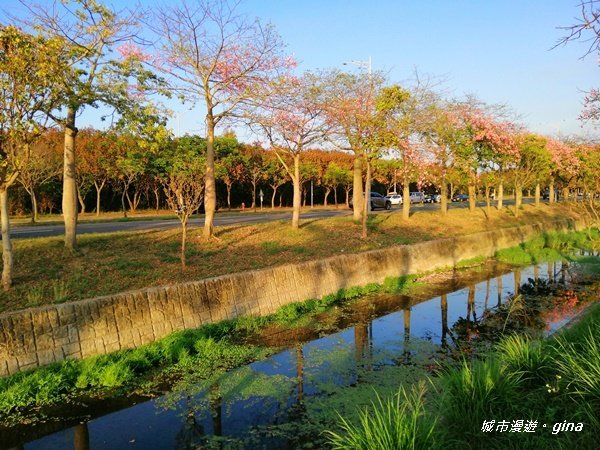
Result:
285,400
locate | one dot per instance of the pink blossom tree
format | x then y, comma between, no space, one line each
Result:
351,112
213,55
291,116
565,165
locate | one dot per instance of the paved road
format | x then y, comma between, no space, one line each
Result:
220,220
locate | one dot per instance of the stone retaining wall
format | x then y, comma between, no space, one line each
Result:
39,336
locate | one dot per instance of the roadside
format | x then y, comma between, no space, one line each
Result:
45,273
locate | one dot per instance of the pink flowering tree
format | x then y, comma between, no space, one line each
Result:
481,143
351,113
291,116
591,106
565,165
212,55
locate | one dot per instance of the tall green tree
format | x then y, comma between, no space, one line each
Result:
27,64
90,75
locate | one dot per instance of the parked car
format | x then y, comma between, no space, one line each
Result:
433,198
417,197
460,198
395,199
377,201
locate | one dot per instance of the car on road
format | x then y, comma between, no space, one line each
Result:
395,199
433,198
377,201
460,198
417,197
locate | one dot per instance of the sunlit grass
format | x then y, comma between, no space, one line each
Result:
104,264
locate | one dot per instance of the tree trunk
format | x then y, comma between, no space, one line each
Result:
405,200
157,198
253,193
99,188
228,185
327,192
500,196
210,193
183,240
537,194
297,193
274,187
518,199
444,198
551,196
488,205
81,201
357,188
125,187
367,202
347,190
335,197
34,207
472,197
69,198
7,254
565,194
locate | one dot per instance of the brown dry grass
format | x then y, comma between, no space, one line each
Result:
109,263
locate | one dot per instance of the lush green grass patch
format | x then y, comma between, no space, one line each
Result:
551,246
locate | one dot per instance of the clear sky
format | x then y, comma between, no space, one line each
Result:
500,51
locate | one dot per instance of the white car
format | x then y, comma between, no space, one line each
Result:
395,199
417,197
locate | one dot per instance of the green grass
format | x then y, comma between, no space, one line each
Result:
551,246
397,423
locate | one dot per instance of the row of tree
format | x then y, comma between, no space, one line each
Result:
80,53
114,162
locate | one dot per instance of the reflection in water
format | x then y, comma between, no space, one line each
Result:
299,374
191,434
81,438
444,308
216,409
251,406
500,291
517,281
471,304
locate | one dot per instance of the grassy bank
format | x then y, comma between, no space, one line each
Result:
45,273
210,349
546,391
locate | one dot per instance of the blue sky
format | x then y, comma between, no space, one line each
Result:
500,51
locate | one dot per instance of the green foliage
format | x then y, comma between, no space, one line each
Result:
529,360
514,255
579,365
474,392
397,423
551,246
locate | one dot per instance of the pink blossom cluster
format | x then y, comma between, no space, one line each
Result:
591,106
563,156
130,50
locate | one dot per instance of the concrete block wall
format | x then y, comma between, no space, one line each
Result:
38,336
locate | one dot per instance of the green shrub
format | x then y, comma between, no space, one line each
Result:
397,423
